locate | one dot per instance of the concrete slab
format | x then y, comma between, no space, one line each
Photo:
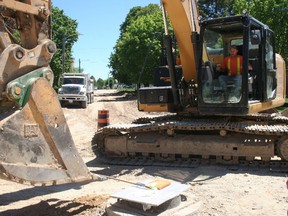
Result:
185,208
150,197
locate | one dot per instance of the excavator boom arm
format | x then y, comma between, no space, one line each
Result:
184,18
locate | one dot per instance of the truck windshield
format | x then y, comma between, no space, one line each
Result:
74,80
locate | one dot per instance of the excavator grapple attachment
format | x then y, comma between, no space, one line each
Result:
36,145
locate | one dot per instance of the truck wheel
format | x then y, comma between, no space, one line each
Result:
92,98
84,104
89,98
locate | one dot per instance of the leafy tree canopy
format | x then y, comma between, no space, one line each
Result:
136,34
273,13
215,8
100,83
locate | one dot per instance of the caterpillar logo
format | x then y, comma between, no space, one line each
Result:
31,130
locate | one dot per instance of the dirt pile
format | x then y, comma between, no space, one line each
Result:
84,206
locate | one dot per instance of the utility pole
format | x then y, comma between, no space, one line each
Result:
79,65
63,53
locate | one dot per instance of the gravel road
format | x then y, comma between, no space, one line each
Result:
217,190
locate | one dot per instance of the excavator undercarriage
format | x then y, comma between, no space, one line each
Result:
186,141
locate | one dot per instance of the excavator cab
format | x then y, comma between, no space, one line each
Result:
254,88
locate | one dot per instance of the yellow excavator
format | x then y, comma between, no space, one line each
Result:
36,146
206,120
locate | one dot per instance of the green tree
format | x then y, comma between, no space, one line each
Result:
137,33
110,82
216,8
273,13
64,30
100,83
94,80
73,69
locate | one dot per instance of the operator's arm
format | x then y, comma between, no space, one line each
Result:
221,69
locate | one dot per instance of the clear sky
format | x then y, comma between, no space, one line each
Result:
98,23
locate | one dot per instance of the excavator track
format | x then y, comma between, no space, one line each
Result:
187,141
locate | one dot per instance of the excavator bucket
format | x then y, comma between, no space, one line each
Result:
36,145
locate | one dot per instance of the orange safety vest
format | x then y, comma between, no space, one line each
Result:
233,65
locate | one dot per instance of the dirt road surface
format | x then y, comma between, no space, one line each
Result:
218,190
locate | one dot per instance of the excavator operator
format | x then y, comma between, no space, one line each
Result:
232,66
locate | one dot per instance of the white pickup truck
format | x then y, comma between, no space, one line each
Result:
76,88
